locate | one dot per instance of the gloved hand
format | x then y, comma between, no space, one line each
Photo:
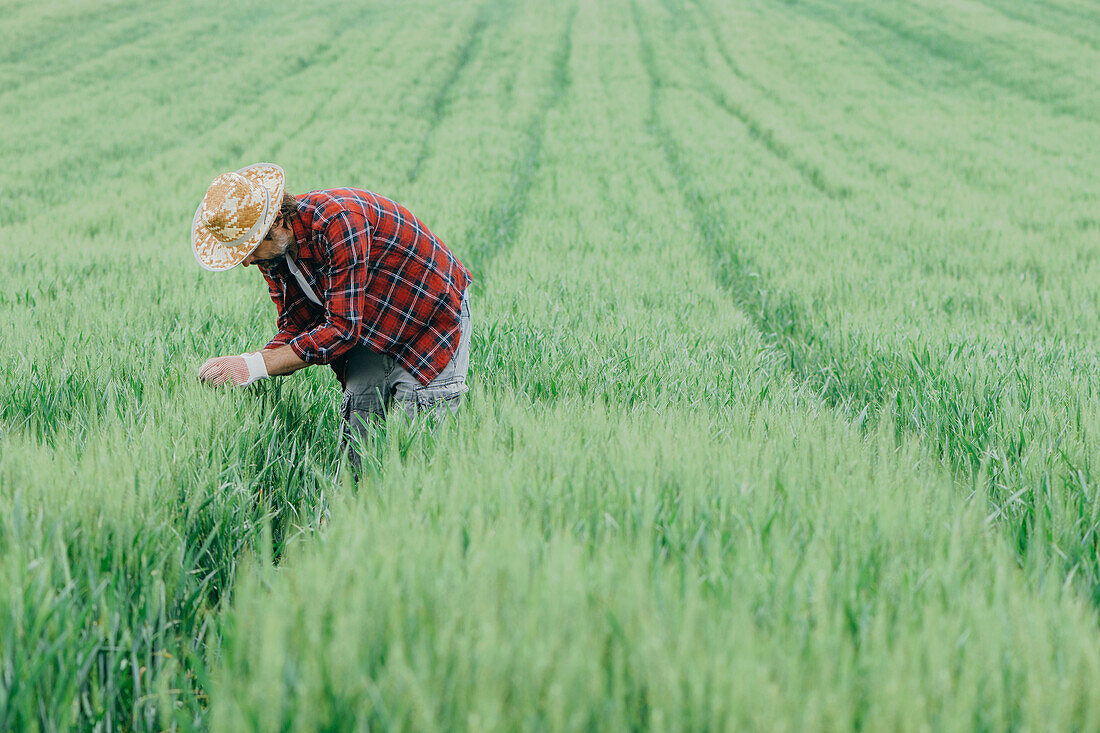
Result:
239,371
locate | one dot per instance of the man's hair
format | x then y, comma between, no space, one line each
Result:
289,206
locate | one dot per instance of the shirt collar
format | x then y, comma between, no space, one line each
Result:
303,229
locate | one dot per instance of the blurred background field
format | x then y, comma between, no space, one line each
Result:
784,370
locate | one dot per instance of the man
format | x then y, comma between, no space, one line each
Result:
360,284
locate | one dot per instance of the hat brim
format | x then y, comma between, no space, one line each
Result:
215,256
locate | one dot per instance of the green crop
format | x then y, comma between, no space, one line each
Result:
783,407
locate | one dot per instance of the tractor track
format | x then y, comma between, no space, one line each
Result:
439,105
498,229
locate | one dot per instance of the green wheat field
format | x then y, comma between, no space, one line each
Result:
785,376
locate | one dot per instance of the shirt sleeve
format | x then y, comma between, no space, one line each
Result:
292,316
345,240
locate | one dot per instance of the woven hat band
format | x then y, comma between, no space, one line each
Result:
255,226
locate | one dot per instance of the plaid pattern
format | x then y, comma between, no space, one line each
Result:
385,280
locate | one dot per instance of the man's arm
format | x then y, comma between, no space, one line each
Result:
242,370
345,237
292,311
282,360
277,358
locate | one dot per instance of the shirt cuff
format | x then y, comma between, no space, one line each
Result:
320,346
306,348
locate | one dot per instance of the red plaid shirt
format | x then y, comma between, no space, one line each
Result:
386,282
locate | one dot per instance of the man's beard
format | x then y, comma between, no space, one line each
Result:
284,247
268,262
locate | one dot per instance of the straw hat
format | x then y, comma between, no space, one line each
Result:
235,215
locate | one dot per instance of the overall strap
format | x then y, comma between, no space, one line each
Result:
302,280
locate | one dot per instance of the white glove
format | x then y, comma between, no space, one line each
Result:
239,371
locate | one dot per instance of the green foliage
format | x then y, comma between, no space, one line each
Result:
783,410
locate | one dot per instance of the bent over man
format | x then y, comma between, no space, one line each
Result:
359,283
